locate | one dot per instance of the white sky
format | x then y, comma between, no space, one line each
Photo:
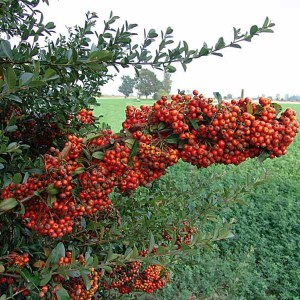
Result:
269,65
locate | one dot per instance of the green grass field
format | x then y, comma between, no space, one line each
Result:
262,261
113,110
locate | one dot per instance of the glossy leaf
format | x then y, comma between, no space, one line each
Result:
5,47
10,78
253,30
62,294
218,96
25,78
8,204
57,252
100,55
98,154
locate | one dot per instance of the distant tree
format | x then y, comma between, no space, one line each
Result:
161,92
126,88
229,96
167,83
147,83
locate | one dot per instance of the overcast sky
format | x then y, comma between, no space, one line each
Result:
269,65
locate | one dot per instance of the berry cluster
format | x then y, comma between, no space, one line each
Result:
154,138
12,284
205,133
11,110
18,260
76,286
85,116
133,277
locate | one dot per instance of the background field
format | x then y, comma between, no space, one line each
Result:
262,261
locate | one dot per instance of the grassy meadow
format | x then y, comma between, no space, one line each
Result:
262,260
113,109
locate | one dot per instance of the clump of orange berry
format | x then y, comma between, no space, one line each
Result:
85,116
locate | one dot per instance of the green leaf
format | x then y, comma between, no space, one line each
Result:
57,252
51,190
218,96
25,78
62,272
185,47
37,68
10,78
100,55
204,51
86,280
278,108
50,74
128,253
8,204
107,268
22,210
170,69
135,252
161,126
79,170
98,155
17,178
112,257
2,268
151,243
36,83
62,294
263,156
266,22
194,123
45,279
220,44
6,48
2,160
51,199
3,297
169,30
253,30
11,128
50,25
258,109
152,34
217,54
134,149
235,45
268,30
73,273
187,60
172,138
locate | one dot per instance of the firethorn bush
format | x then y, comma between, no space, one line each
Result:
70,225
